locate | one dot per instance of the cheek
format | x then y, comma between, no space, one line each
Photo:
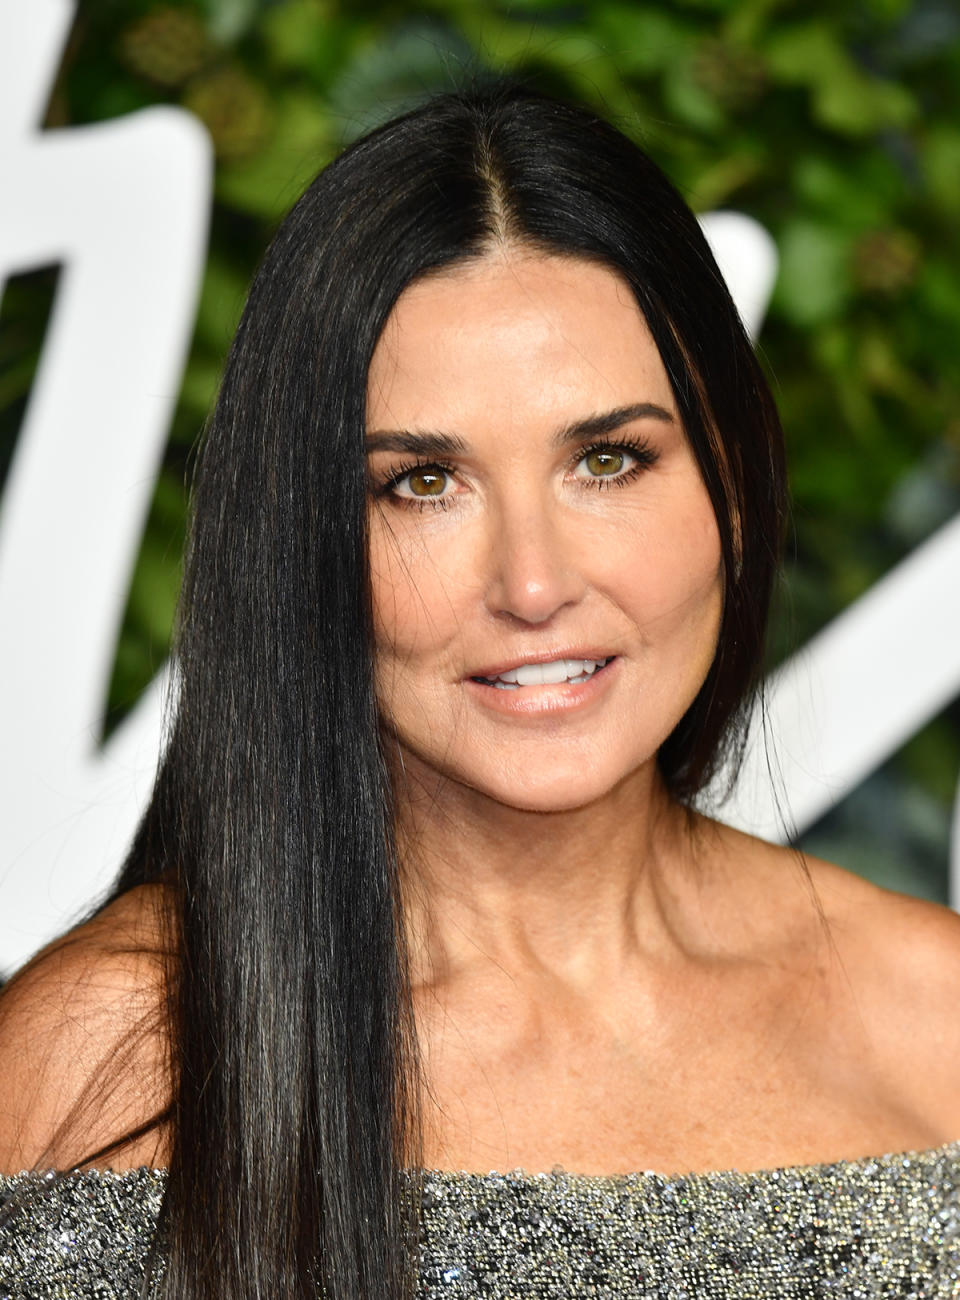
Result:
415,600
667,574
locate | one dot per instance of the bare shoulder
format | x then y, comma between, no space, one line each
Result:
906,944
83,1056
890,936
892,963
902,960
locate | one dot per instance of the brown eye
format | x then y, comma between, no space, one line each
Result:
426,482
601,463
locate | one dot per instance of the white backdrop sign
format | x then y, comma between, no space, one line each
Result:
122,208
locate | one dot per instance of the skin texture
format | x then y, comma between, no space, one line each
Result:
599,979
534,553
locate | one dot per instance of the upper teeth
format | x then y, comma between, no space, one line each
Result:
558,670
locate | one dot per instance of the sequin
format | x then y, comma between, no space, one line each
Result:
885,1226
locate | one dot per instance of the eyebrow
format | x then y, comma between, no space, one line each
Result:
429,442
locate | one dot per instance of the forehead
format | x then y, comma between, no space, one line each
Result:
514,336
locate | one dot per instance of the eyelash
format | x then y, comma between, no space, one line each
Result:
641,451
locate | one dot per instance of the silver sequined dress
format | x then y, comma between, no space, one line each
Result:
887,1227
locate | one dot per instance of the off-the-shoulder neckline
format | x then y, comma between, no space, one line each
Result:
495,1177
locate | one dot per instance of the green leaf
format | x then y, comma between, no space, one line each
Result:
198,389
940,160
860,105
642,40
267,184
308,36
228,20
221,301
813,284
548,11
932,757
156,578
853,197
690,102
746,19
806,54
395,71
890,10
843,97
718,182
16,380
881,366
939,287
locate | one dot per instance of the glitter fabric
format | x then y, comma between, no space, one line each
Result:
886,1227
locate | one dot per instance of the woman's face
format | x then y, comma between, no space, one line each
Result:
536,511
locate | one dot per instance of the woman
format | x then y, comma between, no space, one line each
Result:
485,528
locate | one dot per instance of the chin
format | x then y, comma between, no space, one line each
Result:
551,790
543,778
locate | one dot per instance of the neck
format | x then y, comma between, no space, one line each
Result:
570,892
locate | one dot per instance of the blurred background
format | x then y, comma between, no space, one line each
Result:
835,123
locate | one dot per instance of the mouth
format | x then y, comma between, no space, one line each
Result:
558,671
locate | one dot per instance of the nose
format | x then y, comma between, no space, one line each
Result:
536,565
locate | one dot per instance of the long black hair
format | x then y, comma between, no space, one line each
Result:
294,1100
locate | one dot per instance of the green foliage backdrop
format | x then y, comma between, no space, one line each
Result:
834,122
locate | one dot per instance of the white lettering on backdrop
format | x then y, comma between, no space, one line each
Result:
123,207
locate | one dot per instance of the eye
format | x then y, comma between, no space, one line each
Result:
617,463
603,464
422,482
